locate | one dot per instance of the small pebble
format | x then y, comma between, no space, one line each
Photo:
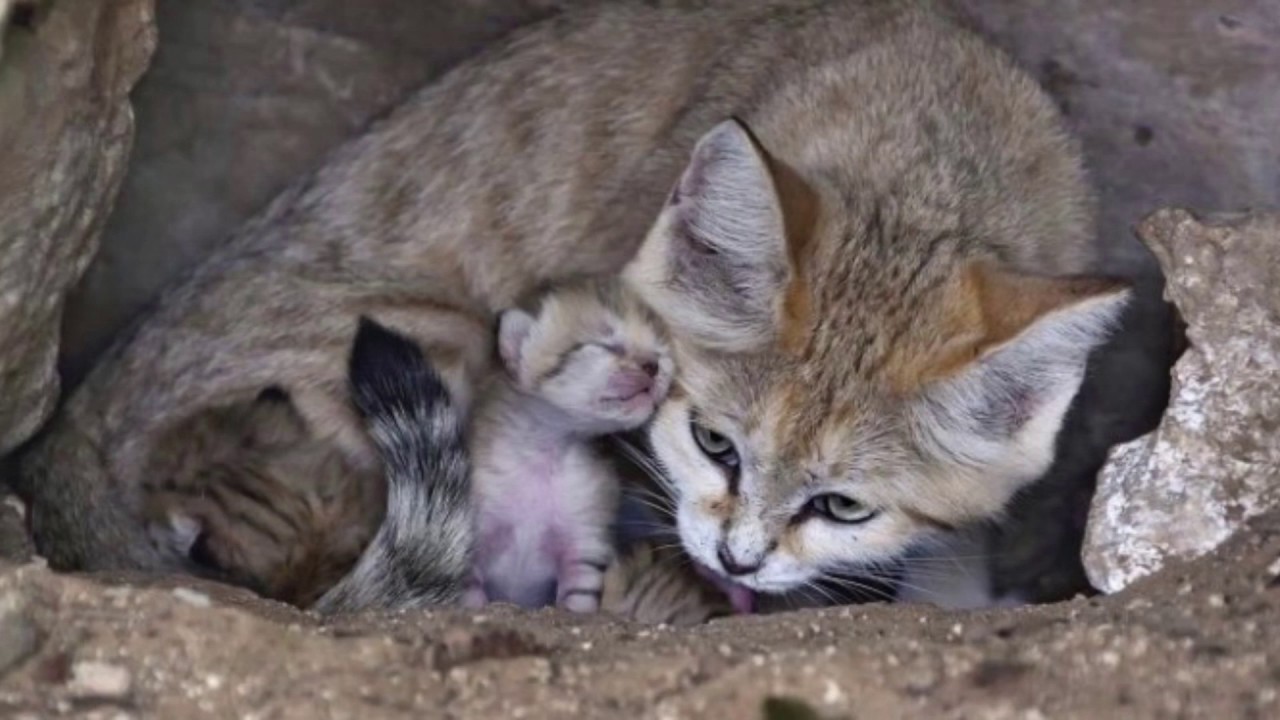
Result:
100,680
192,597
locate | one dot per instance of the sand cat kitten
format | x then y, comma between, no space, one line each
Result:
874,253
585,362
657,585
226,508
245,495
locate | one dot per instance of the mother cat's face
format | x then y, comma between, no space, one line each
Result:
855,373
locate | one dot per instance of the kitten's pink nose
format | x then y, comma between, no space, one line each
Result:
629,383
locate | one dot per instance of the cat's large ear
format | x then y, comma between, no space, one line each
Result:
997,391
715,265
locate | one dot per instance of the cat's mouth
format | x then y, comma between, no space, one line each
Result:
741,598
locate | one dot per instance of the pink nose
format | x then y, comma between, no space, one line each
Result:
629,383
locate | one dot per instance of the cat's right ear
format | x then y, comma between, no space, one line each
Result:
715,266
514,327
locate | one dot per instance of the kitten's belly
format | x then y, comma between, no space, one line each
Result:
515,557
533,515
522,574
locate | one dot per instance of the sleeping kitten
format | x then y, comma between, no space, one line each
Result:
245,494
658,585
223,503
587,361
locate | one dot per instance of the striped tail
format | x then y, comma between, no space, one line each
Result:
421,556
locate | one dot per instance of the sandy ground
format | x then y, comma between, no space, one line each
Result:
1200,640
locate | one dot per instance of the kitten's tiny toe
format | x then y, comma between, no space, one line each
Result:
475,598
580,602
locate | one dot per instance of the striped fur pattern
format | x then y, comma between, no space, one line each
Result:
421,555
244,494
658,585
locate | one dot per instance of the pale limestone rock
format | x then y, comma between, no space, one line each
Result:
1214,462
65,132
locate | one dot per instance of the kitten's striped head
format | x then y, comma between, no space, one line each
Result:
863,362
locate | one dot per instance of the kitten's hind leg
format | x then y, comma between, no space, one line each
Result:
475,597
580,581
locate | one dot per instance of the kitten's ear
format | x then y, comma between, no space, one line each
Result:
1001,386
715,265
514,327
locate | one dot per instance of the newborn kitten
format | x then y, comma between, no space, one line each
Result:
584,362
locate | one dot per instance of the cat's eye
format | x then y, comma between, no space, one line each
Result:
716,446
841,508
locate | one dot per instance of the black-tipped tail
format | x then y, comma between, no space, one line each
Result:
421,555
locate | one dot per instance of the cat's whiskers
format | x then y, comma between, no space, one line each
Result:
644,461
847,582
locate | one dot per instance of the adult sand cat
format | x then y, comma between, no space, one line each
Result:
874,277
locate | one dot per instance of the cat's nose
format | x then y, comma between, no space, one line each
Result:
650,367
732,565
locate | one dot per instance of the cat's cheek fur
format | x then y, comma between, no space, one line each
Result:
696,482
833,547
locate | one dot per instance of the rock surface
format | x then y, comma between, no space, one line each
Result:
65,132
1214,462
1199,641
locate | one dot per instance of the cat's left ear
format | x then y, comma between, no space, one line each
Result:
514,327
996,393
716,266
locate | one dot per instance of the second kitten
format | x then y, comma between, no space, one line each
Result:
585,361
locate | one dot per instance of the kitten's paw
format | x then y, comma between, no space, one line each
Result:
580,602
475,598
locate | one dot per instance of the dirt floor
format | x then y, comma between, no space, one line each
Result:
1198,641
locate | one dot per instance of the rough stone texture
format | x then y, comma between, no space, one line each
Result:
1215,459
1199,641
1173,99
15,544
65,132
242,98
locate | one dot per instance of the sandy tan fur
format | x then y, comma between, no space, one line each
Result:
898,151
